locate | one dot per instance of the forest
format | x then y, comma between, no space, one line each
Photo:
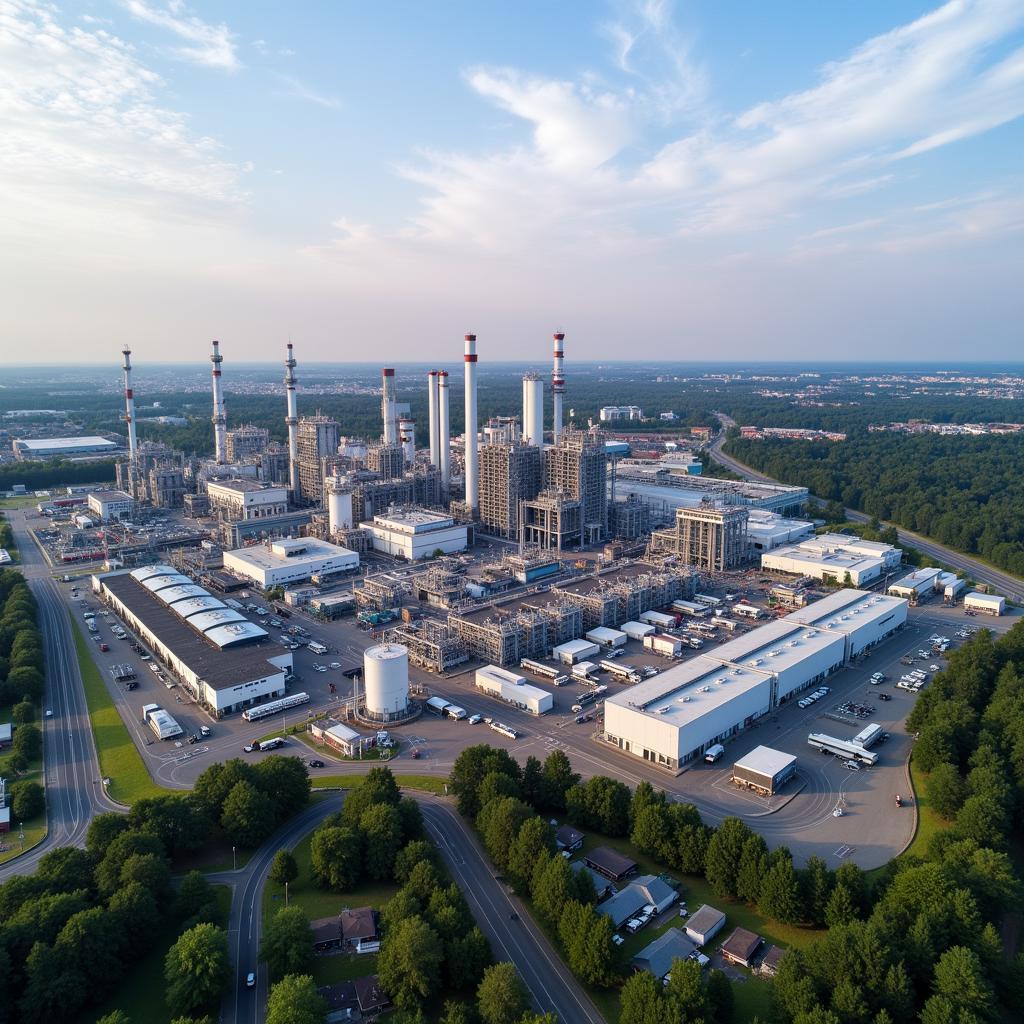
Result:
964,492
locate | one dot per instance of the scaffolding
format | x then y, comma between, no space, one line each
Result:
431,645
552,521
443,583
381,592
509,474
318,438
577,467
387,460
710,537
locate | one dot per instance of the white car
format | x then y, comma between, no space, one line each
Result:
618,940
49,713
335,664
474,719
805,703
320,668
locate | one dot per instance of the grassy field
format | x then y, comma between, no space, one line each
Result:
140,993
423,783
35,833
120,761
22,501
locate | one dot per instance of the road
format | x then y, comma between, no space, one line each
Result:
552,986
1001,582
74,790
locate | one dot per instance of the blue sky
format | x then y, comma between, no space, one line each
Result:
691,180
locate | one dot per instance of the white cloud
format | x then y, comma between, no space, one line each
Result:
298,90
261,46
210,45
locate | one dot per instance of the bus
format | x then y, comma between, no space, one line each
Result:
316,647
841,748
273,707
711,602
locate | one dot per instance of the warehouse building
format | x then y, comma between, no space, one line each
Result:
988,604
764,770
923,584
513,689
241,500
413,534
111,505
289,560
674,717
225,661
62,447
767,531
834,558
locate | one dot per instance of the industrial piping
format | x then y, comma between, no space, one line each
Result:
292,420
432,422
387,406
444,428
470,430
219,418
557,387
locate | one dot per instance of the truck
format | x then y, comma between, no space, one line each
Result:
867,736
690,608
622,671
271,744
747,611
505,730
316,647
841,748
163,725
725,623
711,602
713,753
538,668
588,698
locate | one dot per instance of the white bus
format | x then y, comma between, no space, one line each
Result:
274,707
316,647
841,748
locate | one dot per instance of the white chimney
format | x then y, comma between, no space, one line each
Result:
407,436
219,418
470,429
388,407
129,403
292,420
435,458
444,427
557,387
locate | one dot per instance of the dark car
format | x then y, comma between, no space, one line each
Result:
883,696
315,763
194,738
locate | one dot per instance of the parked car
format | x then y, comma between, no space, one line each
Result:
314,762
899,800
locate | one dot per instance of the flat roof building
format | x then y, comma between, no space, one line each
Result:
111,505
242,500
675,716
918,585
62,447
610,863
767,530
289,560
834,558
413,534
513,689
989,604
225,661
764,770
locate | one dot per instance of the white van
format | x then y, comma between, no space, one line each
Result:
712,754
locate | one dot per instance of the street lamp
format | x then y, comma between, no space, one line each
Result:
234,860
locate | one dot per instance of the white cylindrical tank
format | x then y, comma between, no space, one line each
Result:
407,436
432,408
386,679
533,410
444,428
339,505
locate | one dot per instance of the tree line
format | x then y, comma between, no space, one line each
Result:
964,492
53,473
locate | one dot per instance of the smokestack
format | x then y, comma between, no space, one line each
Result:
533,410
470,431
129,403
219,418
435,458
557,387
443,427
388,406
407,436
292,420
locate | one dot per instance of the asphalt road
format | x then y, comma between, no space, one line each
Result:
1002,582
74,790
552,986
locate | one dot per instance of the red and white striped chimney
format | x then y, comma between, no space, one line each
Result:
557,386
472,452
129,402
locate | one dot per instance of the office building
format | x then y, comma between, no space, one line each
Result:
413,534
835,558
290,560
111,505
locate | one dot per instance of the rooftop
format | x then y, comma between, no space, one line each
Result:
705,919
658,955
844,610
243,486
766,761
91,441
414,520
111,495
742,944
609,861
290,551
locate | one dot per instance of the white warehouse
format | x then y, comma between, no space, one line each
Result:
513,689
290,560
413,534
674,717
834,557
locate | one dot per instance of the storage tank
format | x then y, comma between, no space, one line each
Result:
386,680
339,505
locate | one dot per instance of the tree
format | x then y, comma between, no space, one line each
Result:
194,893
502,997
103,830
410,855
840,909
651,829
466,959
295,1000
642,1001
66,869
23,713
336,857
283,869
115,1017
409,965
382,838
136,915
780,894
148,869
719,996
495,785
752,869
54,988
121,848
533,841
557,778
469,770
287,944
90,940
960,979
499,822
197,968
180,821
216,782
531,782
247,817
379,787
685,989
552,888
723,856
284,782
816,883
28,741
946,790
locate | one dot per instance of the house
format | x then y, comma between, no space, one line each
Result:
703,926
341,1001
358,925
608,862
567,838
644,890
601,884
371,999
770,961
741,947
657,956
656,891
326,933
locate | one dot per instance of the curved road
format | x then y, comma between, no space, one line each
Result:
1005,584
551,984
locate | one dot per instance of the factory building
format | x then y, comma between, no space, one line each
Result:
316,443
764,770
413,534
668,479
510,473
226,662
386,460
62,447
246,442
111,505
576,467
513,689
675,716
241,500
987,604
290,560
552,521
834,558
710,537
767,531
166,486
919,585
273,463
610,413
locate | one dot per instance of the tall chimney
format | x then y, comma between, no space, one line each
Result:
557,387
292,420
443,427
533,410
470,430
435,458
129,403
219,418
407,437
387,405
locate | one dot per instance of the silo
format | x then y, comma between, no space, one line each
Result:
339,504
386,680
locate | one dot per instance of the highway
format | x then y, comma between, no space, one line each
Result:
552,986
1001,582
74,790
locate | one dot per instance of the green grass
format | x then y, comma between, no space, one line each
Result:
35,833
317,902
120,760
753,999
19,502
140,994
423,783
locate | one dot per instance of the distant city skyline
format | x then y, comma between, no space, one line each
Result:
713,182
